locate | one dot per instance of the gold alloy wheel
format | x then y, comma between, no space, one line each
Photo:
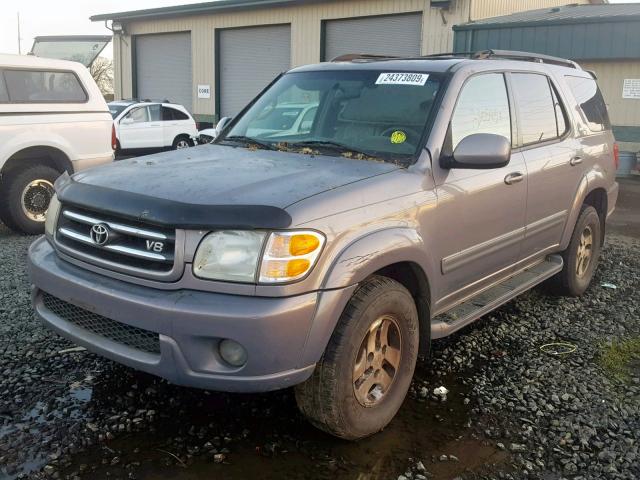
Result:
377,361
585,252
35,199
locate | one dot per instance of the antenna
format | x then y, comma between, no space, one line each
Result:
19,46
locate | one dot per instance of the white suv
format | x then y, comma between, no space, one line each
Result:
149,125
53,119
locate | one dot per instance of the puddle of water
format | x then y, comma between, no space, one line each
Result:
272,441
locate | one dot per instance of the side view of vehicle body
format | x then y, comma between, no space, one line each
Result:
152,126
53,119
425,193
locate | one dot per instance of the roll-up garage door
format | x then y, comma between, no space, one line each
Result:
379,35
163,68
250,58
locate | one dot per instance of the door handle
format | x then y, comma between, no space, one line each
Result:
575,161
514,177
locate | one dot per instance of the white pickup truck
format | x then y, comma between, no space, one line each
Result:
53,119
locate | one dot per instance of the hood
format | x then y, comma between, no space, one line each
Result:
214,183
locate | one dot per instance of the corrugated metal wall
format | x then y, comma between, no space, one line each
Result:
495,8
305,20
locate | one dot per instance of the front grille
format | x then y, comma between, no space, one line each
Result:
127,244
105,327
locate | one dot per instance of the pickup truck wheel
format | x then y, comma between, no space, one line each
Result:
25,197
364,375
581,256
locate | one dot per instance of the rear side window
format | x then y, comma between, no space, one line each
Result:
39,86
154,113
588,96
173,114
4,96
541,116
483,107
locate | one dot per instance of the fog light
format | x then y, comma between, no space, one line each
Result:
233,353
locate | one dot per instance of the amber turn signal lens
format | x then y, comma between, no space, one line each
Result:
297,267
303,244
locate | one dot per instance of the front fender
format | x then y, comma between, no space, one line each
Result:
357,261
374,251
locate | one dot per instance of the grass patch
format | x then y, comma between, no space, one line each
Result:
620,357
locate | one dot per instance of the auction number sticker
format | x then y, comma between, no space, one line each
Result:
401,78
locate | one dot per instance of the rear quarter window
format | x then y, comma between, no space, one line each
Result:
173,114
42,86
591,102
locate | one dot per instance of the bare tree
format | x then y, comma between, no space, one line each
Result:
102,72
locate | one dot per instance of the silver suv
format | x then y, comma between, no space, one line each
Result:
425,193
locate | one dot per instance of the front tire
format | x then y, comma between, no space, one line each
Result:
24,198
364,375
181,142
581,256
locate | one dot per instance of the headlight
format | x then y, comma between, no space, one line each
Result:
234,255
52,216
230,255
290,256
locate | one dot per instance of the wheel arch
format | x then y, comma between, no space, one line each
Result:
592,193
396,253
39,155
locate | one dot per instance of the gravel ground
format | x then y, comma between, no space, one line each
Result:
513,411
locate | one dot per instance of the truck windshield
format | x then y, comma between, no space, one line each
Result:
361,114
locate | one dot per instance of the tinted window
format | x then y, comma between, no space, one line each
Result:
483,107
173,114
116,109
588,96
154,113
3,90
26,86
536,106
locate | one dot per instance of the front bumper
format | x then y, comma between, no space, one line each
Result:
283,336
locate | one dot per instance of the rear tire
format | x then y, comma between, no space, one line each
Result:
355,391
25,194
580,257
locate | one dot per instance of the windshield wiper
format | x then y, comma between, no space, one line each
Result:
336,146
249,142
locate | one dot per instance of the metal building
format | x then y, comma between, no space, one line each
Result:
215,57
602,38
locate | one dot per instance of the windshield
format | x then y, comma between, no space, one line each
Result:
116,109
358,114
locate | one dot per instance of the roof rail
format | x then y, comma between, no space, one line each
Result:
525,56
479,55
350,57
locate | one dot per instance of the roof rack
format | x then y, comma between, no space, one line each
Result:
350,57
524,56
479,55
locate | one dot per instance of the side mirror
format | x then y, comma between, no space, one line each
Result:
480,151
224,121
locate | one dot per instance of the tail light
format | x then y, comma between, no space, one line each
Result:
616,155
114,140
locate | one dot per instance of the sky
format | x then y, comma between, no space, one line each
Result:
71,17
62,17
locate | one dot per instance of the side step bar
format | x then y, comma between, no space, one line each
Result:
462,315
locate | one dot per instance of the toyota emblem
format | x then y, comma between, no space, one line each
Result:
100,234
